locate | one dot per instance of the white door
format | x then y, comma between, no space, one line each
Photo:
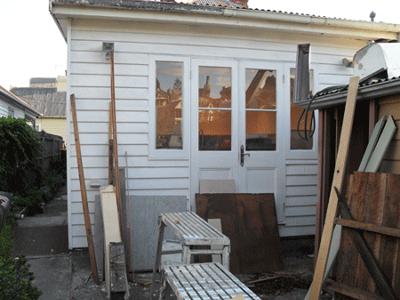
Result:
236,134
214,121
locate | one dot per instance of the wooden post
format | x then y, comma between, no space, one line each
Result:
110,148
86,216
338,181
115,140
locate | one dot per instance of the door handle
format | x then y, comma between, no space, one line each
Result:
242,155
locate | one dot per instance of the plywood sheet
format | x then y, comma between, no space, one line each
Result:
372,198
249,220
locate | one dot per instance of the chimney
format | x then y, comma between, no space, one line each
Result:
243,3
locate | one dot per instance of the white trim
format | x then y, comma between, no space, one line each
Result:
166,154
68,136
298,153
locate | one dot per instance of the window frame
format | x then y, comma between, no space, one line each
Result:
300,153
168,154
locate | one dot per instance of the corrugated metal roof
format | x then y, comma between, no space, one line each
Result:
47,101
19,101
372,89
199,4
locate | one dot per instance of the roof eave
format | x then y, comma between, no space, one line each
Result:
219,16
365,93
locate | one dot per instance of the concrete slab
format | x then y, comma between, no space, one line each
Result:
52,276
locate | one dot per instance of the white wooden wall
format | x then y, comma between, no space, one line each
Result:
18,113
88,77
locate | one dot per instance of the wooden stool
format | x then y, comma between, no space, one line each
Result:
204,282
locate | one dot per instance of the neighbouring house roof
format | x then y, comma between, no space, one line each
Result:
372,88
36,80
47,101
17,101
221,13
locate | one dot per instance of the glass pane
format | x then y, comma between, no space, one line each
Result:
260,89
169,82
260,130
215,130
215,87
297,141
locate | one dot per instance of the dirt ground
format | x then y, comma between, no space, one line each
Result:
68,277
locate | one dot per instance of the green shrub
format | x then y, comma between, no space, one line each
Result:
19,149
6,235
16,280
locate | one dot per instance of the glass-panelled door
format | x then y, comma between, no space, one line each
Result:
261,126
214,121
237,126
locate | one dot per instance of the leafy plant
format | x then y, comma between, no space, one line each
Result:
19,148
16,280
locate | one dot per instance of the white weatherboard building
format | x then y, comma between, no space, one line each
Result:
194,86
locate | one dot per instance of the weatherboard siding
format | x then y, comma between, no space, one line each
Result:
88,76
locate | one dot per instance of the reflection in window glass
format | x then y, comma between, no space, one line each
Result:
260,89
297,142
215,87
169,88
215,102
260,110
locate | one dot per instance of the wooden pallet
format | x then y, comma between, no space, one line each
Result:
203,282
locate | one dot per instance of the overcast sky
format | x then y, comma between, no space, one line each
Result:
32,46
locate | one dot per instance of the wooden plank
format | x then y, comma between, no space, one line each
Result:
112,233
338,180
118,276
393,232
85,207
250,223
382,145
367,256
373,141
115,141
348,291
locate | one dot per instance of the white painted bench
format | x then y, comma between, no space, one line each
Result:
207,281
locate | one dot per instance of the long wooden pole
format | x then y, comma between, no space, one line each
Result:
117,182
338,181
86,215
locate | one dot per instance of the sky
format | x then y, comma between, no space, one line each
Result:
32,46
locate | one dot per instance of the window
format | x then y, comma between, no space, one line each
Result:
169,105
297,140
215,108
260,110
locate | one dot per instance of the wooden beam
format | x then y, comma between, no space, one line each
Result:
118,277
115,140
112,234
110,147
335,287
382,145
393,232
85,207
369,259
338,180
